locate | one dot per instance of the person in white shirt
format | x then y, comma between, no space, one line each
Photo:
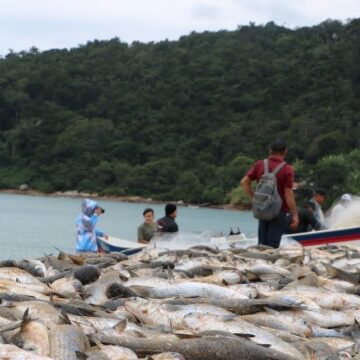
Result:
318,200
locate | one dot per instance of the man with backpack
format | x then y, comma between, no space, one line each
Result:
273,197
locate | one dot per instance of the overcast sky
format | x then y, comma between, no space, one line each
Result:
50,24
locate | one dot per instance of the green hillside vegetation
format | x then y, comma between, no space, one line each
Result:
183,119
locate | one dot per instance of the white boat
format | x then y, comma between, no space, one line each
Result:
346,236
113,244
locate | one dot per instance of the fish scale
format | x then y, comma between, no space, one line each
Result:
65,340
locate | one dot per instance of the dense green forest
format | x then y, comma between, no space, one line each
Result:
184,119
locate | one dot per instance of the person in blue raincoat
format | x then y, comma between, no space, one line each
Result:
86,227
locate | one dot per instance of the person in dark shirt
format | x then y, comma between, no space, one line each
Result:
167,224
307,220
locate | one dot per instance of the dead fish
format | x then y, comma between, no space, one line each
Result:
323,317
101,262
78,307
336,344
85,274
59,265
198,271
205,248
17,275
114,303
222,278
7,263
12,352
38,310
91,325
280,321
347,276
65,340
76,259
237,306
118,256
153,313
95,293
33,267
166,356
188,289
34,337
355,290
118,290
16,297
68,287
266,269
152,265
318,350
16,289
204,348
325,299
245,253
92,355
115,352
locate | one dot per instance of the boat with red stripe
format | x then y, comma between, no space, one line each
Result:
347,236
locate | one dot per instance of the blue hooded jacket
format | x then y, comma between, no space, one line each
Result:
85,226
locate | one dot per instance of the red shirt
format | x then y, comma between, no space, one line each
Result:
285,177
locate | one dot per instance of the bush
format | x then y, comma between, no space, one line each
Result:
239,197
213,195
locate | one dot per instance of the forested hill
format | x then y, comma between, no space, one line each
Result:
183,119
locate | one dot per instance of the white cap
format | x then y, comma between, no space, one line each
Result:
346,197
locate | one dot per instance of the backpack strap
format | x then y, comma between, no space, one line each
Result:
266,166
279,167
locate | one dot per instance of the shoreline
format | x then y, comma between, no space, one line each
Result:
127,199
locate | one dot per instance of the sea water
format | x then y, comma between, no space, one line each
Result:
31,226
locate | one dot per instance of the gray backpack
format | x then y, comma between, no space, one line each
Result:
266,203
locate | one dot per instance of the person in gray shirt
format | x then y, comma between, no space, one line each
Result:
149,228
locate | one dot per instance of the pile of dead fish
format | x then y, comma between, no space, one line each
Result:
197,304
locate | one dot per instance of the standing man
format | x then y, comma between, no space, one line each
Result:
318,200
271,231
167,223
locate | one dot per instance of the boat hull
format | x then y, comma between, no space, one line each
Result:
118,245
323,237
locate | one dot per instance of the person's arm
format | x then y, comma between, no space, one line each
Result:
290,201
100,233
246,185
312,221
288,230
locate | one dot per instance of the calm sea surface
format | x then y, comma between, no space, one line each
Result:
31,226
